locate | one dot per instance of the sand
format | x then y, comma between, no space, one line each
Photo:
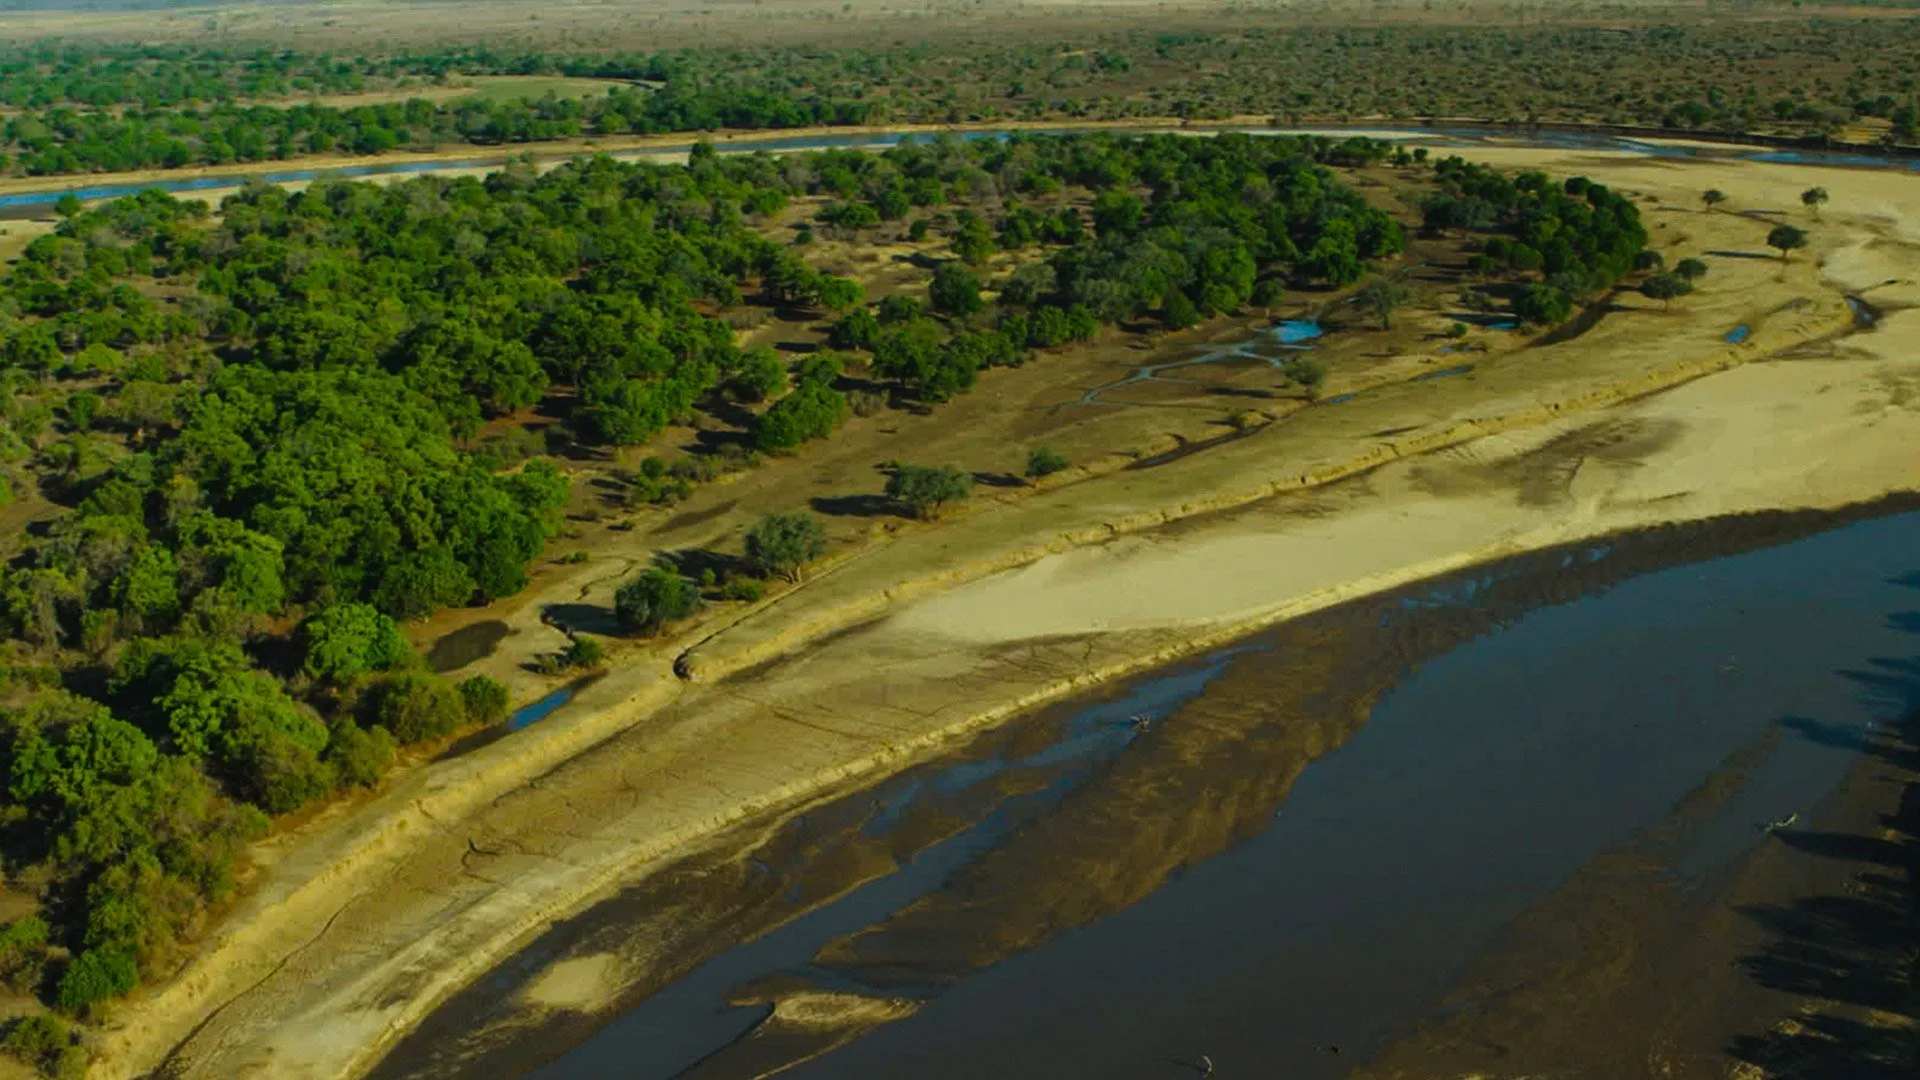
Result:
366,919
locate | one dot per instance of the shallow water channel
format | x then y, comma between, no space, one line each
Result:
1295,843
29,203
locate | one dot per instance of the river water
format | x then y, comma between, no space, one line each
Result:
1291,845
30,203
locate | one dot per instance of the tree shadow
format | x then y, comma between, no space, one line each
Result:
857,506
1744,255
581,618
998,480
1850,957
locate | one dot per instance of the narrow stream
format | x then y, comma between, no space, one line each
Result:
1295,843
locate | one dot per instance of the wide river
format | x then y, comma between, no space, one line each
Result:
1279,857
32,203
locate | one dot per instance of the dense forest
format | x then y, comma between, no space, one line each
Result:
276,432
82,110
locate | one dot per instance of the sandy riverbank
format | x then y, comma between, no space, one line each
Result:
366,919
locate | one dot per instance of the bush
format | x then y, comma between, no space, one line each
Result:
485,699
1044,461
742,589
655,598
925,489
584,652
1690,269
346,641
416,707
40,1039
23,953
955,290
281,776
359,756
93,977
811,412
780,544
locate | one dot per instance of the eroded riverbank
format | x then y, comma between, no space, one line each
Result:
920,641
1294,845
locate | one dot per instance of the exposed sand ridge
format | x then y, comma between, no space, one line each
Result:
427,886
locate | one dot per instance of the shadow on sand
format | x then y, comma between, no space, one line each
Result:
1853,958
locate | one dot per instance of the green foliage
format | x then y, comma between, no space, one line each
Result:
813,411
23,953
414,706
654,598
1813,198
1382,297
485,699
1045,461
359,756
1665,287
346,641
94,976
1690,269
1543,304
955,290
1713,197
1786,239
927,489
584,653
761,376
781,544
1177,312
40,1039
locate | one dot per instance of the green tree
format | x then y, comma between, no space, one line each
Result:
1044,461
813,411
1786,238
415,706
927,489
656,597
1690,269
346,641
1665,288
1713,197
485,699
782,544
1813,198
1382,297
955,290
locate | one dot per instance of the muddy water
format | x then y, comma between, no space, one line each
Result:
1296,844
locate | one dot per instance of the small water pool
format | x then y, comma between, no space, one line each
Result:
1739,334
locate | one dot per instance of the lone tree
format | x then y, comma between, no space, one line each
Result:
1665,287
1044,461
655,598
1713,197
1812,198
781,544
1690,269
925,489
1786,238
1382,297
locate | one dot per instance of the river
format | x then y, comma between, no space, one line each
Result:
30,203
1286,855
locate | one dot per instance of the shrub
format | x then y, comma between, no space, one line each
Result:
359,756
780,544
742,589
1690,269
1044,461
925,489
584,652
23,953
416,706
40,1039
349,640
93,977
655,598
811,412
485,699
